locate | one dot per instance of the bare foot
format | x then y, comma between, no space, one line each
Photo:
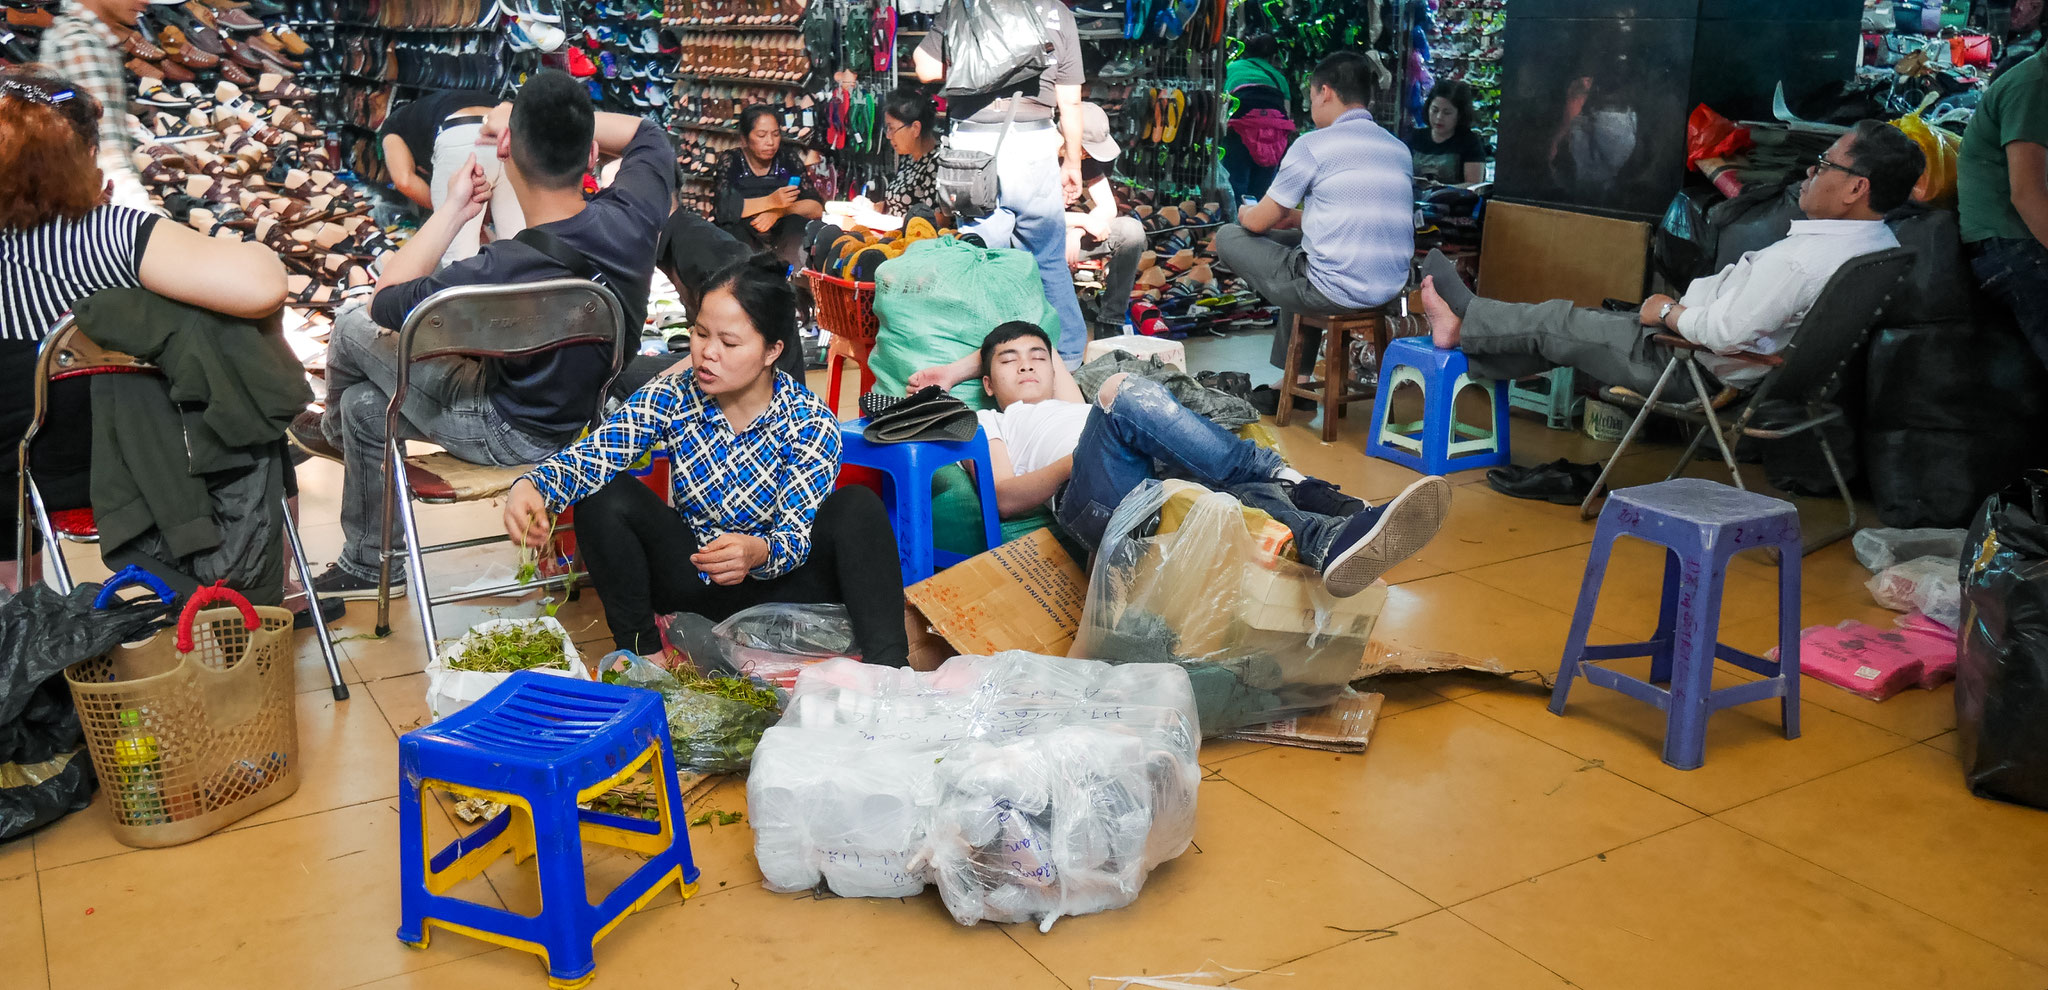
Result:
1443,324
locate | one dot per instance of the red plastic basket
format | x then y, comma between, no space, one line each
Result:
846,309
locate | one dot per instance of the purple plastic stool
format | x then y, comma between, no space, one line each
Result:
1701,524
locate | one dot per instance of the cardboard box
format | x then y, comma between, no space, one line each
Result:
1286,601
1344,727
1024,595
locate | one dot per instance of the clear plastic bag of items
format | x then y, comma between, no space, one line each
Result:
772,642
1190,576
1027,788
1932,585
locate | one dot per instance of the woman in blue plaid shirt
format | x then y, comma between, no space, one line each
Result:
753,516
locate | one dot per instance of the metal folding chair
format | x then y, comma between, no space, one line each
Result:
68,353
1807,373
481,321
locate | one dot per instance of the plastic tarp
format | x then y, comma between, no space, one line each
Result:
45,773
1259,636
1026,788
2002,673
936,303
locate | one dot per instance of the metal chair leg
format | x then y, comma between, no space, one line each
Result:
391,457
1692,450
1707,409
1635,426
1827,451
53,546
415,560
320,631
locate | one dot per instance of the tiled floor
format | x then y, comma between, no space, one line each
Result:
1480,843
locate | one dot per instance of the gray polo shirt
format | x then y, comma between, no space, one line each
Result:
1354,184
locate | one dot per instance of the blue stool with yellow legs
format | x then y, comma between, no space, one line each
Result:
540,745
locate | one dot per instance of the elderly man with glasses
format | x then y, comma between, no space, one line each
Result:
1752,306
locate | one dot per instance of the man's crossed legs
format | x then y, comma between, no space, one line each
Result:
1138,431
445,404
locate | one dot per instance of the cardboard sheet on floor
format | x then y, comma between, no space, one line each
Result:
1024,595
1344,727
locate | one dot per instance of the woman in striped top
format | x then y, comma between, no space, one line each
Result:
59,243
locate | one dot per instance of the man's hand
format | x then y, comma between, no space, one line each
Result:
727,560
927,377
495,123
1074,246
527,520
1070,180
468,191
1652,307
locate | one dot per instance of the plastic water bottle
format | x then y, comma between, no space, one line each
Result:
139,759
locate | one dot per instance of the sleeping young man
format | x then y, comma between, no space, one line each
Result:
1049,444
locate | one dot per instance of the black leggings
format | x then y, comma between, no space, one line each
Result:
638,552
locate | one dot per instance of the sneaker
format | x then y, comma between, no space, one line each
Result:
1323,498
341,585
1372,543
307,435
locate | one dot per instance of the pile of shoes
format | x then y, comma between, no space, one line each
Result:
622,53
21,32
855,254
204,40
251,165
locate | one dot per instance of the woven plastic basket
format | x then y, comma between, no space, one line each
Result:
194,730
846,309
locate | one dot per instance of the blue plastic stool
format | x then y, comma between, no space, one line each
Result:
540,744
910,467
1701,524
1439,444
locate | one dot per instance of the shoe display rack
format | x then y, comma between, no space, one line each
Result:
386,52
1464,42
731,54
21,30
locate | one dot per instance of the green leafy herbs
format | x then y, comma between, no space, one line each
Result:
509,648
715,815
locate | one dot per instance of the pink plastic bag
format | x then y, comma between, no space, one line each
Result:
1877,663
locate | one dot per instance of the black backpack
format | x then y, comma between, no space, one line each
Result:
994,46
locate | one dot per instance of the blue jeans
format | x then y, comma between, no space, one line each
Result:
1147,434
445,404
1032,209
1247,178
2015,272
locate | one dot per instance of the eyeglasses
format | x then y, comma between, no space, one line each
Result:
1821,163
890,127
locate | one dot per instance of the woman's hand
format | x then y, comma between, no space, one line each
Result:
527,520
783,198
728,559
763,221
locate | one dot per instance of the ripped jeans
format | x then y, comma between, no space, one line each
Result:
1146,433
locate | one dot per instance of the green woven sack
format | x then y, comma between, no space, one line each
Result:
937,302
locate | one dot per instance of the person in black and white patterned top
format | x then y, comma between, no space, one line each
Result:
61,242
911,123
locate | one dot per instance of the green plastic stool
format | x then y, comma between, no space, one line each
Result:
1554,398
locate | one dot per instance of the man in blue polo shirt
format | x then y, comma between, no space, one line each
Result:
1336,231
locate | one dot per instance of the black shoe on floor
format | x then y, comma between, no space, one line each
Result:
307,436
1560,481
331,611
1266,399
340,585
1322,498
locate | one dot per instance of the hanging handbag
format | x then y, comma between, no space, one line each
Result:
967,180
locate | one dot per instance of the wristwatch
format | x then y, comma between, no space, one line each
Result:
1666,311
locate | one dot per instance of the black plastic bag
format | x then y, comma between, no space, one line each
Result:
1951,414
2002,668
44,771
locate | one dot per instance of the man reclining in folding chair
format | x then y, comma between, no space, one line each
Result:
1048,444
1752,306
494,412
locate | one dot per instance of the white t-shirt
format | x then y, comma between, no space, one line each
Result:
1037,433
